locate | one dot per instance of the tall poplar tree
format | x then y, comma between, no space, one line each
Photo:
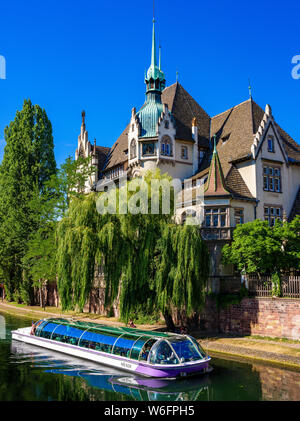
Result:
28,162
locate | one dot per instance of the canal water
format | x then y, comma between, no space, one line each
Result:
29,373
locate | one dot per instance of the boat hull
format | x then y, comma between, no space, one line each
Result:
122,363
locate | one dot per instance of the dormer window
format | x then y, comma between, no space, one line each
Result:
166,146
271,147
132,127
225,138
166,124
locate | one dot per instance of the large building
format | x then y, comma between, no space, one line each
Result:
249,165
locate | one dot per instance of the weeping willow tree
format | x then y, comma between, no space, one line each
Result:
155,263
77,246
182,271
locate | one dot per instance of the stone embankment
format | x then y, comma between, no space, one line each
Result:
277,351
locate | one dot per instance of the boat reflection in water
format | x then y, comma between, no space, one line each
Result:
110,379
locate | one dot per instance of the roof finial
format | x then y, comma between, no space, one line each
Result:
153,51
177,75
250,89
83,117
215,143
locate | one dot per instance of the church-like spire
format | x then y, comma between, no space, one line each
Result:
153,51
216,181
155,78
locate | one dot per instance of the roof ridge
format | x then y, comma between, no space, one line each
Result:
231,108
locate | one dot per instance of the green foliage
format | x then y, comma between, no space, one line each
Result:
153,263
28,163
182,269
77,246
226,300
259,248
276,285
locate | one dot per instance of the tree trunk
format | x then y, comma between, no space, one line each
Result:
169,321
41,297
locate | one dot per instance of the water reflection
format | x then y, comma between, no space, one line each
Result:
2,327
109,379
30,373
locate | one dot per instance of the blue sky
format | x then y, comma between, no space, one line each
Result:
72,55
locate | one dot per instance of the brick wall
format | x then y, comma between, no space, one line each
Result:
274,317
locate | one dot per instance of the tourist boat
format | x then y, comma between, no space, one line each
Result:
146,353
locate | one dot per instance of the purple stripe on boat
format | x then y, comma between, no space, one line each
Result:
171,372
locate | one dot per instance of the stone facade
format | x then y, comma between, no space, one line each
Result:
273,317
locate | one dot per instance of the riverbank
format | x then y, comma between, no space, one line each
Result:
277,351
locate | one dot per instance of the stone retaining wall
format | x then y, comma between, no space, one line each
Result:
274,317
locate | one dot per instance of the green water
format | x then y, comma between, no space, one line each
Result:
30,373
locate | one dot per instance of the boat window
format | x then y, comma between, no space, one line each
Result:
99,341
146,350
47,329
137,347
185,350
124,344
163,354
39,326
67,334
198,346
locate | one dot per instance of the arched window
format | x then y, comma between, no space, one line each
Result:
166,146
133,149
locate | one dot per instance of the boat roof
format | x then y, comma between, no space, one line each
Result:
113,329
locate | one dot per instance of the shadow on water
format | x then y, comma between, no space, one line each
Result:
31,373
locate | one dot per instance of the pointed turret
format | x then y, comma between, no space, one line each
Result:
155,81
216,183
155,78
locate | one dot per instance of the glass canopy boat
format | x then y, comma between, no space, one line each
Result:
150,354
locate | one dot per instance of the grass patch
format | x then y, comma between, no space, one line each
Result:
275,339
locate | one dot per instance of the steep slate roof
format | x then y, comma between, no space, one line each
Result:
183,108
236,184
235,130
117,155
102,154
215,185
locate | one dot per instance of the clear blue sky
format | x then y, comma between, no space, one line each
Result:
72,55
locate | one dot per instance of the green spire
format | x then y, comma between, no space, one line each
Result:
159,62
153,52
155,78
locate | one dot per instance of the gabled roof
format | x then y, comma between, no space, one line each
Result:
117,155
236,185
235,129
215,185
183,108
102,154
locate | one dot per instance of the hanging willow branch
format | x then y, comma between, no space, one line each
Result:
157,264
